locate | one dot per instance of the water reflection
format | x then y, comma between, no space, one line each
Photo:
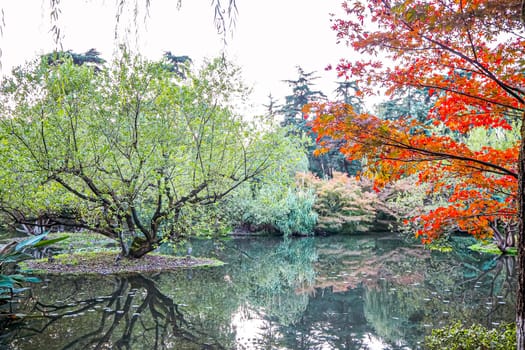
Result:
323,293
120,313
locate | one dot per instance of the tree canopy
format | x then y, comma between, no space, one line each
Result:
475,79
126,151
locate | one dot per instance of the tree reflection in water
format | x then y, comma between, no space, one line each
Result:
322,293
134,314
383,295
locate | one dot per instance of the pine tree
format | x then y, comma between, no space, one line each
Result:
272,108
178,64
90,57
302,93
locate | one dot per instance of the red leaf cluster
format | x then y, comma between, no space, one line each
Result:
469,54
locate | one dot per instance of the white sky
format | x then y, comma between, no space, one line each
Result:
270,39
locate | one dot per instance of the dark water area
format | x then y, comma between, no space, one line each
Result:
344,292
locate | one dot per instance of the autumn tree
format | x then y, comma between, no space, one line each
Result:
468,54
128,151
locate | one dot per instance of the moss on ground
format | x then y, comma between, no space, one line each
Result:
491,248
109,263
93,253
83,242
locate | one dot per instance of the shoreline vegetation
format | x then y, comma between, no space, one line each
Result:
92,253
106,263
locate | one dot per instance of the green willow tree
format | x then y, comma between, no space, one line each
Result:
127,151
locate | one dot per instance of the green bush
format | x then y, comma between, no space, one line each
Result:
273,208
475,337
298,216
342,203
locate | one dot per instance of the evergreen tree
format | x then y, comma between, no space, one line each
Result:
90,57
178,64
410,102
272,108
347,92
302,93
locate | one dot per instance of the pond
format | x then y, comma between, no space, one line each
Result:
344,292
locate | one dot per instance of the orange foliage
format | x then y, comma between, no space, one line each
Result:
469,53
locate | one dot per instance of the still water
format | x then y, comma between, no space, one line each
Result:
345,292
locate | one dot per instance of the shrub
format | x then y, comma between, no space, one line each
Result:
298,217
272,208
407,198
475,337
343,204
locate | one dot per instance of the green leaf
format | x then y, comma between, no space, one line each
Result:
49,241
14,257
32,279
410,14
15,278
6,284
9,259
30,242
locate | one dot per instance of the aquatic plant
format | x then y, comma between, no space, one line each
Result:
459,337
11,280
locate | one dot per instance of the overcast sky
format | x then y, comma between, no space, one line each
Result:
270,39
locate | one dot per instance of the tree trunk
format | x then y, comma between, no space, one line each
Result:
520,302
140,247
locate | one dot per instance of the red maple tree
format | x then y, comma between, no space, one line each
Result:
468,54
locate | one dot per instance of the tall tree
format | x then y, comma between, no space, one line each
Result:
302,93
127,151
348,92
407,103
272,107
469,53
178,64
92,56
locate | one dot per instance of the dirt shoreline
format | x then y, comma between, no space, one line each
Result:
106,263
